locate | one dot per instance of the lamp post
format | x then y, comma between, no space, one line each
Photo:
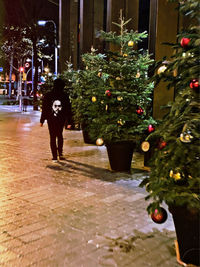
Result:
43,23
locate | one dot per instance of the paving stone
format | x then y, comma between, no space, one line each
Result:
77,212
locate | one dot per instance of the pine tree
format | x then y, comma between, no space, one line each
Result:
119,104
175,172
84,87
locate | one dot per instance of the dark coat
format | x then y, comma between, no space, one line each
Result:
56,108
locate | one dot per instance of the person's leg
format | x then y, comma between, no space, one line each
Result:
53,146
60,140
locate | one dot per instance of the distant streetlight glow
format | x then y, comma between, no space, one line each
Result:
43,23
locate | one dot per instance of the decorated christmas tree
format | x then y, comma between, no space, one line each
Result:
85,83
175,172
121,99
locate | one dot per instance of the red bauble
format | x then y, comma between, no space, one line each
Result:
108,93
139,111
151,128
194,85
185,42
159,216
162,144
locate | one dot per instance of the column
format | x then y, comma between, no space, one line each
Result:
64,33
163,28
86,25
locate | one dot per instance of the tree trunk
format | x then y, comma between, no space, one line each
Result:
10,76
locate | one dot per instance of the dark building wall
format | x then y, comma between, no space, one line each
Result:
163,28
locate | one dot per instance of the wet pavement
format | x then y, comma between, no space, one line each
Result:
75,213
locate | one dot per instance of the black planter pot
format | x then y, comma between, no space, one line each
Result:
120,155
187,225
86,137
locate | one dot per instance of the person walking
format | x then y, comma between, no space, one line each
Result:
56,109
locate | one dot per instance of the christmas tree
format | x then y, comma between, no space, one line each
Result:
175,172
121,99
84,88
69,77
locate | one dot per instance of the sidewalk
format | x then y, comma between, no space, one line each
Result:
76,212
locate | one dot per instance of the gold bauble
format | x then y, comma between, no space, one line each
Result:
125,55
177,176
186,137
161,69
130,43
94,99
99,142
118,78
137,75
119,98
145,146
99,74
175,72
121,122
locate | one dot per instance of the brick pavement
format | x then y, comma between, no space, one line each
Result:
75,213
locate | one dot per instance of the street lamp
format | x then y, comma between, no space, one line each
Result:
43,23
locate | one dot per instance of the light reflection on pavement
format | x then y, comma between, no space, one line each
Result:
71,213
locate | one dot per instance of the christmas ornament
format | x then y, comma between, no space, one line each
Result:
125,55
162,144
92,49
175,72
121,122
151,128
145,146
86,68
185,42
94,99
175,174
137,75
99,142
139,111
130,43
159,216
118,78
108,93
99,74
186,137
119,98
161,69
106,107
195,85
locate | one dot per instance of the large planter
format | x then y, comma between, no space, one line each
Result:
86,137
120,155
187,226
